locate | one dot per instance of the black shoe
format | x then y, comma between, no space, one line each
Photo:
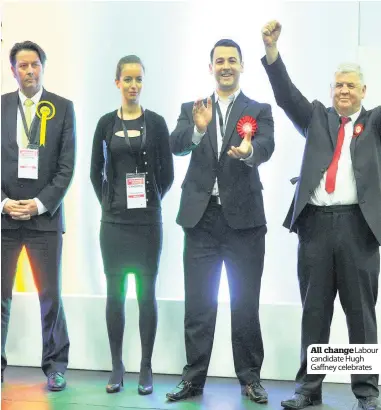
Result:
185,390
300,401
255,392
56,381
115,381
369,403
2,376
145,381
114,387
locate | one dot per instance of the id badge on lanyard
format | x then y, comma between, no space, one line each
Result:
135,183
28,163
136,191
28,157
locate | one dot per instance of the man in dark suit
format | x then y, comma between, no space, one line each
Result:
221,212
336,213
36,170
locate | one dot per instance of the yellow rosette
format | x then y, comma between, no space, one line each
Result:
46,111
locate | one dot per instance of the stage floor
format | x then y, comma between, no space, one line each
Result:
24,389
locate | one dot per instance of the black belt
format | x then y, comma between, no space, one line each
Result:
333,208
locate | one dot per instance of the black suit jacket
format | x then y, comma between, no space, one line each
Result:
55,166
320,125
159,159
239,185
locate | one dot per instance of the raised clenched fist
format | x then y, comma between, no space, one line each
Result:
271,32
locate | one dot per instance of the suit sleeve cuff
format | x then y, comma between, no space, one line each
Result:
249,160
2,204
40,206
197,136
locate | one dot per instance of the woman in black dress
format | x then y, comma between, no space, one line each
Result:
131,170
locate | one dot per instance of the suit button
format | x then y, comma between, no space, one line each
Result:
21,185
144,153
209,192
147,182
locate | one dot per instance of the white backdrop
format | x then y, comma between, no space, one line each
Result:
83,42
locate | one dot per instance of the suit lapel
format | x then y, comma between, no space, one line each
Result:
35,130
355,140
235,114
212,130
333,126
11,118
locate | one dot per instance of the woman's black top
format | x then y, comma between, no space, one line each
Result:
113,158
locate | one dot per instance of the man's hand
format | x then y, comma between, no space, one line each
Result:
16,210
30,206
270,34
202,115
244,150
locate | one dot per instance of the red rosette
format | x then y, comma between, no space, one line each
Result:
245,125
358,130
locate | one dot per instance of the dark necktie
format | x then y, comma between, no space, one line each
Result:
330,181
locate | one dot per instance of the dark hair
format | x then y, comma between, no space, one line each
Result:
225,42
26,45
131,59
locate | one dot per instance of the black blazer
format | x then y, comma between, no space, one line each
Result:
159,157
55,166
239,185
319,125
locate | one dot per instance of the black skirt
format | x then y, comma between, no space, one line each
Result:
130,248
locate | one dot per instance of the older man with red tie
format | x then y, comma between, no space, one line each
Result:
336,213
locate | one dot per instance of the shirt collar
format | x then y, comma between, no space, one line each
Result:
229,99
36,98
354,117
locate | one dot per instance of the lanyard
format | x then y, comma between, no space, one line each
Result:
137,154
28,131
220,118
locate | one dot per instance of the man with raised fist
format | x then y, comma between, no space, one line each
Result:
221,212
336,213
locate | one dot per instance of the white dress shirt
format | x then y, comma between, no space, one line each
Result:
345,192
36,98
197,136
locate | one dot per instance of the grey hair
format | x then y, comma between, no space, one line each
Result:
345,68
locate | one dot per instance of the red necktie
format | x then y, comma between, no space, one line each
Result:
330,181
